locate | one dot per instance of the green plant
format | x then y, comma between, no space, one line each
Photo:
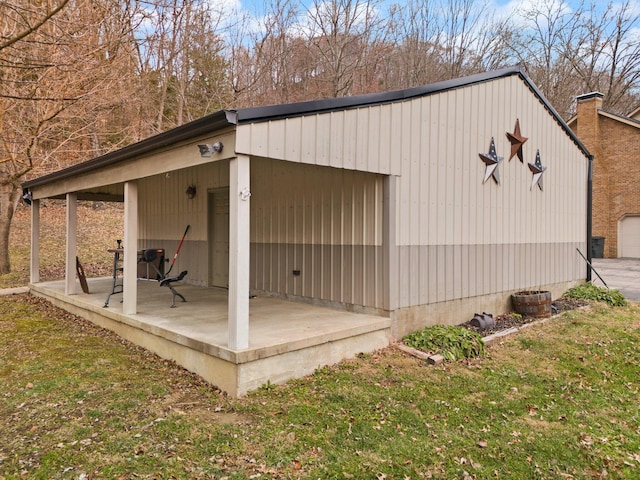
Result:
589,291
267,386
453,343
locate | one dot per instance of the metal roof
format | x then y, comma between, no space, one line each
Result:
225,118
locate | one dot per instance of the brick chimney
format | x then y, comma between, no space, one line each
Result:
588,131
587,128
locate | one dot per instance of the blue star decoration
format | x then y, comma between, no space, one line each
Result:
491,161
537,169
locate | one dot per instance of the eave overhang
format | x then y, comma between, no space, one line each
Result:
225,118
197,128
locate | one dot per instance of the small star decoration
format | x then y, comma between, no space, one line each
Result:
537,169
517,141
491,160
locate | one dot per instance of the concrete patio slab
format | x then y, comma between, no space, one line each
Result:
286,339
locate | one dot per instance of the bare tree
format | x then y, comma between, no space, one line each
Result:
203,84
540,47
59,64
341,36
434,41
268,63
602,48
414,58
181,64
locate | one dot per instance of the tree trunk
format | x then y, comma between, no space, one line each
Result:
9,196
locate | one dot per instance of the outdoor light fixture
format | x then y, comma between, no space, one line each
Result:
191,191
27,197
209,149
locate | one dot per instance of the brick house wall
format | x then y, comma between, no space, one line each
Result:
614,142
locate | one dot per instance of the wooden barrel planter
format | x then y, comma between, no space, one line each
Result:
532,304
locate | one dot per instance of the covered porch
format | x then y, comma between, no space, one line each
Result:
287,340
311,231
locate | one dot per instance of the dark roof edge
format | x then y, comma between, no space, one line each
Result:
196,128
619,117
225,118
554,114
275,112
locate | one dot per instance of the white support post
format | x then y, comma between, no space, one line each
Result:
34,268
390,246
130,245
72,232
239,193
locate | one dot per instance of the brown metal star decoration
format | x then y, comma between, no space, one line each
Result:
517,141
537,169
491,161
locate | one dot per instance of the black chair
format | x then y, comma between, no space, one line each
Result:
149,256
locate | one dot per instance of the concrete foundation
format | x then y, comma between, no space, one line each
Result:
287,339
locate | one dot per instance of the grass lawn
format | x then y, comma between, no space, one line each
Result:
558,400
99,226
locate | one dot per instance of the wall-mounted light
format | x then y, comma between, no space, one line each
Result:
209,149
27,197
191,191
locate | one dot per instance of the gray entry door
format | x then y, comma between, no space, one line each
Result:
218,208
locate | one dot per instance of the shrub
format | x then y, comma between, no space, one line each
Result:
453,343
589,291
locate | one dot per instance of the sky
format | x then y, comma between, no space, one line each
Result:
491,10
502,7
494,9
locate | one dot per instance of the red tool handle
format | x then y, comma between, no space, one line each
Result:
186,230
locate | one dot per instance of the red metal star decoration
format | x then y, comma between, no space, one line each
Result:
517,140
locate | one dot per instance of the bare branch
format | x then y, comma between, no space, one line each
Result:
32,28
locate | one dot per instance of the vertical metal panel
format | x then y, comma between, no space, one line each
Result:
308,141
164,211
337,144
321,139
443,202
360,139
324,222
294,135
464,271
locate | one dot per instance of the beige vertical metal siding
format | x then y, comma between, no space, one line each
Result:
459,237
325,223
320,210
360,139
456,236
165,211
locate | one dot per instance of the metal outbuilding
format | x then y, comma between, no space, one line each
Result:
411,207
